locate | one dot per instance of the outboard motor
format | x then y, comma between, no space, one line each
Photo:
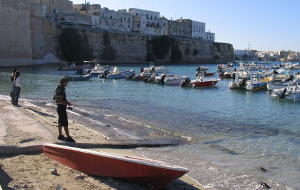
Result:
105,73
162,80
185,82
283,93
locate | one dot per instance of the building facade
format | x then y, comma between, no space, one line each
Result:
120,21
198,30
53,7
180,28
148,22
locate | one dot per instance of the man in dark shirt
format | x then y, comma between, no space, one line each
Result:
62,103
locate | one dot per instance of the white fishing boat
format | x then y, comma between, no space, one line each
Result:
174,80
290,93
160,69
258,84
238,83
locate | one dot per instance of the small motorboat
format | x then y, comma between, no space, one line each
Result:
160,69
199,82
277,85
71,67
258,84
174,79
238,83
116,74
134,169
290,93
80,78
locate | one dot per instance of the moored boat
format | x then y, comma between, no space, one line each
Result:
203,83
174,80
138,170
209,74
116,74
80,77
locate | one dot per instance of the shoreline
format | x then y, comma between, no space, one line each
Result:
29,126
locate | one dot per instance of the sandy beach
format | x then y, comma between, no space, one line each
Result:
23,166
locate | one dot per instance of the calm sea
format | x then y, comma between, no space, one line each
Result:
233,133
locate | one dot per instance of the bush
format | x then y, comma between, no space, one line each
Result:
195,52
74,46
160,46
176,54
108,53
187,51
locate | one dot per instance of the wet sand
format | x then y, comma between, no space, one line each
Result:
22,166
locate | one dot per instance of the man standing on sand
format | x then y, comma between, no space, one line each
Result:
62,103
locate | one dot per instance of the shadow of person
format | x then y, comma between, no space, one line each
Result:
5,179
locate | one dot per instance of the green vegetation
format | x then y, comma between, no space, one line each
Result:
176,54
159,48
74,47
195,52
187,51
108,52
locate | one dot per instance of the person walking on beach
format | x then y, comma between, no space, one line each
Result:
12,78
16,88
62,103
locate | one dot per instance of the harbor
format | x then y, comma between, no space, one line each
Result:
233,132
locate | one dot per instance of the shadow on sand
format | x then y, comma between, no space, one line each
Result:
4,180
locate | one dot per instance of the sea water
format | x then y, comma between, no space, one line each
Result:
232,133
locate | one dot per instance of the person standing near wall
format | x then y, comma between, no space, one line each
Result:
16,88
62,103
12,78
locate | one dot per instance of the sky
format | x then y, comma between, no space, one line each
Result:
256,24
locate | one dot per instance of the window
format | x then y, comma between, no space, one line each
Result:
147,16
110,17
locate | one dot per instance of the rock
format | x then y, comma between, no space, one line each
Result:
79,177
264,185
54,172
263,169
58,187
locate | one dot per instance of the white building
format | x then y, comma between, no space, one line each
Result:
149,22
120,21
198,30
209,36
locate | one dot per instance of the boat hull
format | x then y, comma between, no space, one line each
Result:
137,170
209,74
273,86
121,75
256,86
198,84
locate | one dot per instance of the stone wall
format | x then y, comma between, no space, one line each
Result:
15,34
132,48
27,38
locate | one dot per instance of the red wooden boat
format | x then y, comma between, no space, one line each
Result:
201,83
134,169
209,74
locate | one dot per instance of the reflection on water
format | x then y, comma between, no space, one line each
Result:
237,129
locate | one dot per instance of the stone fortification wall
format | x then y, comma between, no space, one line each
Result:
15,34
132,48
27,38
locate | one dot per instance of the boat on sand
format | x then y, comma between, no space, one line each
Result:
138,170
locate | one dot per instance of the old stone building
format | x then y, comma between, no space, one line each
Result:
119,21
180,28
149,22
52,7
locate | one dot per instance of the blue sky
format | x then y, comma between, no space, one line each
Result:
265,24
